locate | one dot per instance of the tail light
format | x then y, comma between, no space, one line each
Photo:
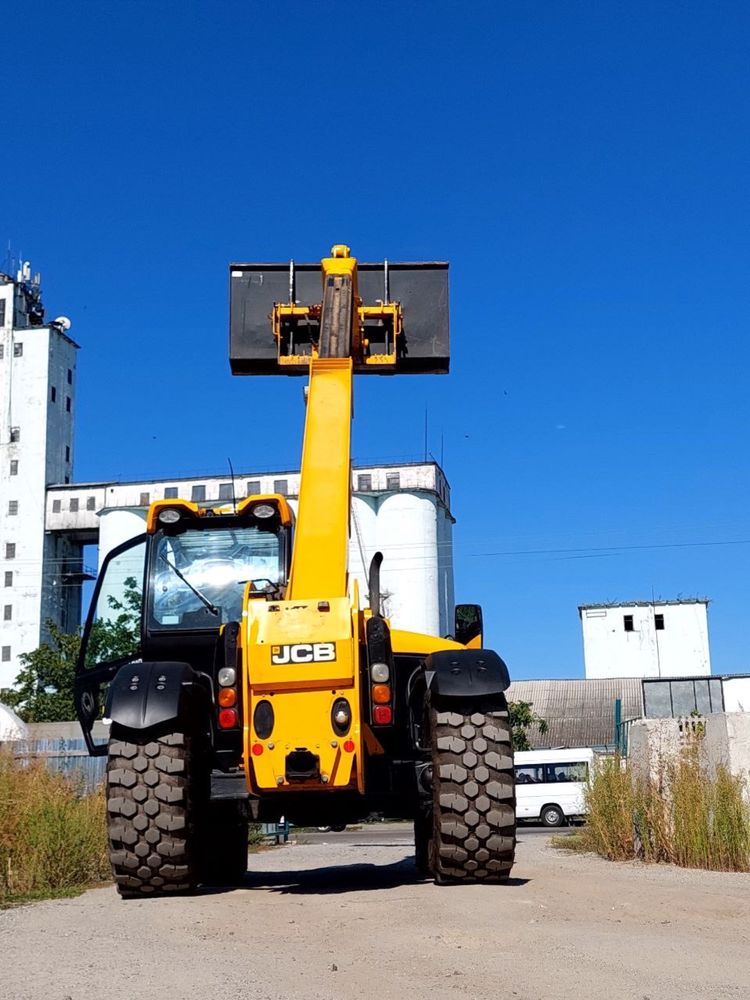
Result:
382,715
380,673
381,694
227,697
228,718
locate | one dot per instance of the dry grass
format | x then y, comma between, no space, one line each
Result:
682,815
52,837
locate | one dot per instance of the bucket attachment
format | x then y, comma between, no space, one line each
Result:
400,316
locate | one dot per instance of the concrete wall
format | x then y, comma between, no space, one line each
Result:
724,741
680,649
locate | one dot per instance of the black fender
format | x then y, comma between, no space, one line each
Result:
465,673
149,695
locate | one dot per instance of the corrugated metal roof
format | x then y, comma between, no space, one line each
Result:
579,713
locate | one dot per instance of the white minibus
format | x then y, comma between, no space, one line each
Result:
550,784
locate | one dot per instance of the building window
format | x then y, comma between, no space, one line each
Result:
9,578
56,506
364,483
8,613
18,350
627,621
67,404
12,508
170,492
225,491
281,486
6,654
253,487
52,394
2,319
90,503
198,494
67,480
10,550
67,452
145,499
2,346
14,467
70,376
74,505
393,481
659,623
15,435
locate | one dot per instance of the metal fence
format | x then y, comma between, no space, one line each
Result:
69,756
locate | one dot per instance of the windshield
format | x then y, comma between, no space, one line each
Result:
198,577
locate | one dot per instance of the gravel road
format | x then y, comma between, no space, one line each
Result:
346,919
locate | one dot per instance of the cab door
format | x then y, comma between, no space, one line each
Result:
112,635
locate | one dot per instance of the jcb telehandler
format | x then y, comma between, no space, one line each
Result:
256,685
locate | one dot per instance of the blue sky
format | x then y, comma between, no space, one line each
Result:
584,168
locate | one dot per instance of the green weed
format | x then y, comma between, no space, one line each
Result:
52,836
682,814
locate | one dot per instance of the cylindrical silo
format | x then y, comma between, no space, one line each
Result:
118,525
446,595
407,532
363,541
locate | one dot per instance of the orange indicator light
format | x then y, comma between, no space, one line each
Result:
381,694
227,697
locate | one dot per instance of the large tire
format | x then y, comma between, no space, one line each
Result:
155,792
225,842
474,816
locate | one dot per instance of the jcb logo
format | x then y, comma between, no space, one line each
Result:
303,652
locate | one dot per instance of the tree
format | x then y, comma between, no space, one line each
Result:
522,718
43,690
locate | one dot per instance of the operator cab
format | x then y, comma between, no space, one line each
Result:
168,593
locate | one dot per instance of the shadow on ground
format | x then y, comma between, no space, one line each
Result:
338,879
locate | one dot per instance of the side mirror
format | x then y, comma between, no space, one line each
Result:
468,625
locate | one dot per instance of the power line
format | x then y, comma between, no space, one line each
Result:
607,548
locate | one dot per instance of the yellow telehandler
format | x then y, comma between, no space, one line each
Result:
246,680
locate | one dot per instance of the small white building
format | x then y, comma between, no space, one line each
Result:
646,639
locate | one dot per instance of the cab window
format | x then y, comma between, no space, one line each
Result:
198,577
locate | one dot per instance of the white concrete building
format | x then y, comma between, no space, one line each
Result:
37,409
646,639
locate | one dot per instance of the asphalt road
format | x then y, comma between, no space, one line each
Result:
349,918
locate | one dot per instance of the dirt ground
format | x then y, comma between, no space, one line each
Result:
349,918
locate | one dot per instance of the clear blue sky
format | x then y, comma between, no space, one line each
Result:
583,166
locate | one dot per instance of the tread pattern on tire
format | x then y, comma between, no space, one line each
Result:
474,821
149,810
